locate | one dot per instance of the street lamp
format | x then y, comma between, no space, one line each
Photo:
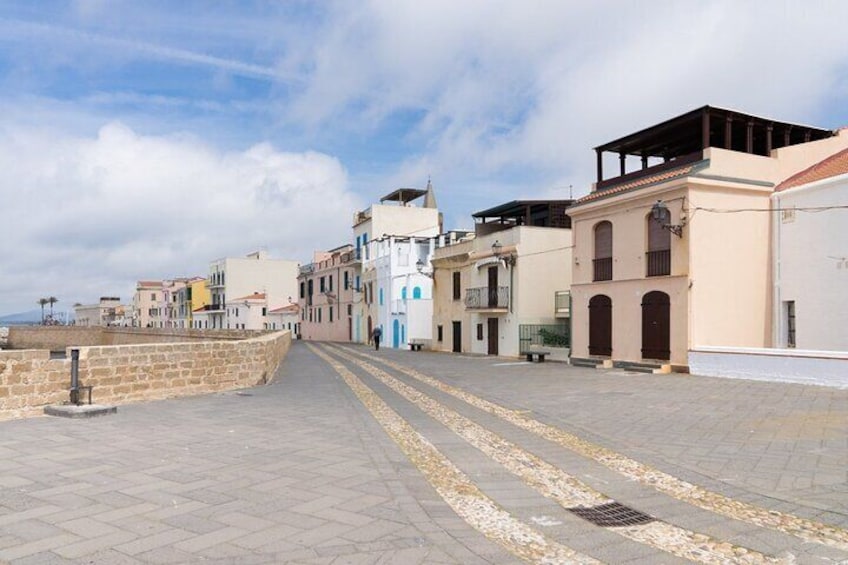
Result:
497,250
661,215
419,266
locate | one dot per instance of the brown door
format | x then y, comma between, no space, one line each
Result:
493,336
370,329
493,287
656,330
457,337
600,325
350,329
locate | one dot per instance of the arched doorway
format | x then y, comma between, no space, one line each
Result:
395,334
656,327
600,325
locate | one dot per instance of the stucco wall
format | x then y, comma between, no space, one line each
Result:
29,380
61,337
825,368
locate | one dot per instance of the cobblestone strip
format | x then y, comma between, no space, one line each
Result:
457,490
807,530
554,483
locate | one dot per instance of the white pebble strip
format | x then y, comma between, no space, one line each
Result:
457,490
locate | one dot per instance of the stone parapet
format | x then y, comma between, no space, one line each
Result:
61,337
30,380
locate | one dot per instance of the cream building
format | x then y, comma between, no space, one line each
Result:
147,304
496,291
233,277
327,295
674,252
402,232
107,312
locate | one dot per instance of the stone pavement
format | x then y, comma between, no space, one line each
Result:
350,459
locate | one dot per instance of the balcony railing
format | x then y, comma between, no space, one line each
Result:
486,297
562,303
602,269
214,307
658,262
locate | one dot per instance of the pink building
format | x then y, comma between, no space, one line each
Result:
327,294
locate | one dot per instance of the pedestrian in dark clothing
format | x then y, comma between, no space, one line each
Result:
375,336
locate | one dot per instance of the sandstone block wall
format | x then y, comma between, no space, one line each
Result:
30,380
61,337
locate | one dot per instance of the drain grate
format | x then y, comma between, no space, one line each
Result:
612,514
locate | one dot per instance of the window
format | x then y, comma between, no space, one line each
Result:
479,332
330,281
331,313
321,285
236,310
346,280
439,333
303,290
319,315
153,297
381,296
789,309
403,293
602,264
357,287
456,285
658,256
264,311
350,310
416,293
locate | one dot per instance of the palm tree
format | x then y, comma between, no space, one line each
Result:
42,302
52,300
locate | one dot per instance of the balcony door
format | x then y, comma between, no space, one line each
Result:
493,335
493,287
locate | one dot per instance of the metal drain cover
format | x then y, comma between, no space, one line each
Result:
612,514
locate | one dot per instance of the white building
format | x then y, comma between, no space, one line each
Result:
391,239
107,312
235,277
810,253
284,318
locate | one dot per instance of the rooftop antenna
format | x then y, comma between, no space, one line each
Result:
569,192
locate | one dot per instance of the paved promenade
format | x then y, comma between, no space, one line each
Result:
352,456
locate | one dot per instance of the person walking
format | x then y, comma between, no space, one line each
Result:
375,336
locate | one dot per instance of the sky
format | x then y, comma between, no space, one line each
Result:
144,139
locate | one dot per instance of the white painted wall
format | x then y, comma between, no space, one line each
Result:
811,265
825,368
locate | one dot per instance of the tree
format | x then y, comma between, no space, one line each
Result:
42,302
52,300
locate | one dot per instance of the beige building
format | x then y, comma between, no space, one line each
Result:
107,312
147,304
326,295
673,252
496,291
244,276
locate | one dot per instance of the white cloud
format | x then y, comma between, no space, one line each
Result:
88,216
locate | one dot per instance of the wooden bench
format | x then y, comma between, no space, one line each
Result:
415,345
539,355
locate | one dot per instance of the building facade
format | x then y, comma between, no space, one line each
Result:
107,312
148,304
327,293
675,253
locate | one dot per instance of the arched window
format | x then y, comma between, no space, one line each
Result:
602,262
403,293
658,255
416,293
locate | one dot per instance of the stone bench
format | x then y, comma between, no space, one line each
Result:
538,355
415,345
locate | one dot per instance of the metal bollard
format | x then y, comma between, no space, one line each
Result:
75,376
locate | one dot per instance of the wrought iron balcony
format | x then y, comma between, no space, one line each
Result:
602,269
658,262
214,307
486,298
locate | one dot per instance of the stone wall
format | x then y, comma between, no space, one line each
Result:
30,380
61,337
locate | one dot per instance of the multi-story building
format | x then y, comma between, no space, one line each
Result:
327,293
391,237
284,318
168,307
148,304
194,295
496,291
276,279
673,253
107,312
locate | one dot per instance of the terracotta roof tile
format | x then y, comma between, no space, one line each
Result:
254,296
149,283
643,181
285,309
835,165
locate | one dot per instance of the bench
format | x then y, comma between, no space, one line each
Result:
415,345
539,355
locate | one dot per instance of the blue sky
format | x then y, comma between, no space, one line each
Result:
144,139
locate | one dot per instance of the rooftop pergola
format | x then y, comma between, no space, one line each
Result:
682,139
546,213
403,195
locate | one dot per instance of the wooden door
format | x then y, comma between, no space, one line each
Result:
493,336
656,327
600,325
457,337
493,287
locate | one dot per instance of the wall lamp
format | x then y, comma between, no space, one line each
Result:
419,266
661,215
497,251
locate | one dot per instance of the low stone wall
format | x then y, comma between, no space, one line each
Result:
61,337
824,368
30,380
